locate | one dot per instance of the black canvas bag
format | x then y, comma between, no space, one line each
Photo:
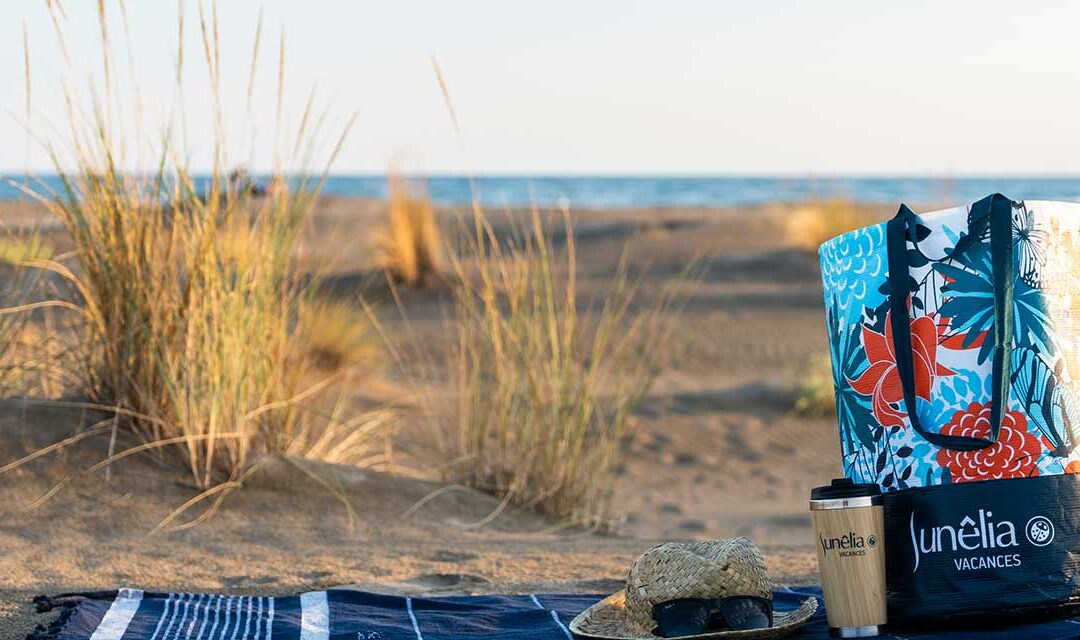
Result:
984,552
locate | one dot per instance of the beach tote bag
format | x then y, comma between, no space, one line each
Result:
954,349
954,338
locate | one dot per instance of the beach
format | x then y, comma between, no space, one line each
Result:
716,448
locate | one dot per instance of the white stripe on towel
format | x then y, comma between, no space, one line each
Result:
224,620
119,615
269,616
183,618
242,616
247,623
161,620
181,601
412,616
231,607
201,607
206,615
554,616
314,616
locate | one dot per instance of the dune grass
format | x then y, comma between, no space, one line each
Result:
410,244
811,224
24,350
544,379
195,330
18,249
546,384
335,336
189,336
815,392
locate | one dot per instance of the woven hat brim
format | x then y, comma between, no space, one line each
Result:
607,620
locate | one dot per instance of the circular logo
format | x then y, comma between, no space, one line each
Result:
871,540
1039,531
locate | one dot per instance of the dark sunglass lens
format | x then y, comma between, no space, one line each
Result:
746,613
681,618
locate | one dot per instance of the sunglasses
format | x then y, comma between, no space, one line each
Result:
693,616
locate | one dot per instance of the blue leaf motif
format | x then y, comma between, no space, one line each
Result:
969,303
948,394
960,386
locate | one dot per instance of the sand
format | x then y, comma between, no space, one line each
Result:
717,452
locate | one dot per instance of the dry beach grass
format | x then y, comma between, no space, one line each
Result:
190,326
410,245
546,386
812,223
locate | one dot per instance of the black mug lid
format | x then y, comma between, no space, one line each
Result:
841,488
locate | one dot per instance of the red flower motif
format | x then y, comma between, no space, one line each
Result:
1013,456
881,379
957,342
1073,467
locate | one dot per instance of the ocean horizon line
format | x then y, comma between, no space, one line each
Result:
8,174
630,191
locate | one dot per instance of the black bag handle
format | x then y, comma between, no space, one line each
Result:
995,211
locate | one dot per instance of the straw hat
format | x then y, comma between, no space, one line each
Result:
674,570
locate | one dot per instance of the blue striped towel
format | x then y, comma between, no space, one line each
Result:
341,614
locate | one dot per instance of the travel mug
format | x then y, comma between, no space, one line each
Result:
849,525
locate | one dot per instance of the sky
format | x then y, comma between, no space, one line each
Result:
579,86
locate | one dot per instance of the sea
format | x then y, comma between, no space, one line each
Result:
606,192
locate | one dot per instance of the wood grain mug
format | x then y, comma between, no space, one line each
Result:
849,526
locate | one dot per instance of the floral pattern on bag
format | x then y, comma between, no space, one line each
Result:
850,262
881,380
1014,455
952,310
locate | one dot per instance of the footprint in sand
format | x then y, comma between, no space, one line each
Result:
447,555
670,508
692,526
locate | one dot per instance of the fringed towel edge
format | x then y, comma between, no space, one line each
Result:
69,602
